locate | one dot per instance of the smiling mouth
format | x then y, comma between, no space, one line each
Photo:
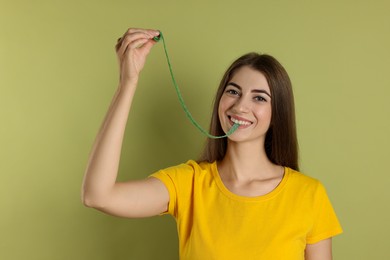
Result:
240,122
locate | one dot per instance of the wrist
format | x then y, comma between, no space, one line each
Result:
128,82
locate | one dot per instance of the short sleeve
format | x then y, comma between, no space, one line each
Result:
165,178
326,223
179,182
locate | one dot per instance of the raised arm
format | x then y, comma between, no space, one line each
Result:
319,251
100,190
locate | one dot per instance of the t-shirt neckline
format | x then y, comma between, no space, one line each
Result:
231,195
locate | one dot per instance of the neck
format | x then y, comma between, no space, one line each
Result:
247,161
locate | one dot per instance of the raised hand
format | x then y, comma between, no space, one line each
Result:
132,49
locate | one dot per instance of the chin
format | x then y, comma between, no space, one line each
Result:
242,138
238,138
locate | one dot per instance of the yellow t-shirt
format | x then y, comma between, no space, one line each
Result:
214,223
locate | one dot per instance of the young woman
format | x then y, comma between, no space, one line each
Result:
244,199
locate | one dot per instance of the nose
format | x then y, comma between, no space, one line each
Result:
241,105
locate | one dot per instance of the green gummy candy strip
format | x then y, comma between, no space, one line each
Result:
181,100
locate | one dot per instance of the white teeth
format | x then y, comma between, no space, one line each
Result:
240,122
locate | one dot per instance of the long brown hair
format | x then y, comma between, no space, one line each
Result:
281,143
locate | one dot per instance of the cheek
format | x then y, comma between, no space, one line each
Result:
265,114
222,106
269,115
220,112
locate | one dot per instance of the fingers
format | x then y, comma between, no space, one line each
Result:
134,38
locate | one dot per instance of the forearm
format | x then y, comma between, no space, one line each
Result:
103,164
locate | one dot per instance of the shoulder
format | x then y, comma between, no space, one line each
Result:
186,170
301,177
304,183
189,166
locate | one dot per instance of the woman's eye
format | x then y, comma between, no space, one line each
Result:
260,98
232,91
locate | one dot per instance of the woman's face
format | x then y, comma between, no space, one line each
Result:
247,101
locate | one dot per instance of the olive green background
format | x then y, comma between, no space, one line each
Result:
58,72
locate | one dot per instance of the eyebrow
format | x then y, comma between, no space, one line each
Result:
253,90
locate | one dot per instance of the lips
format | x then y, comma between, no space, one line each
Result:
239,120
